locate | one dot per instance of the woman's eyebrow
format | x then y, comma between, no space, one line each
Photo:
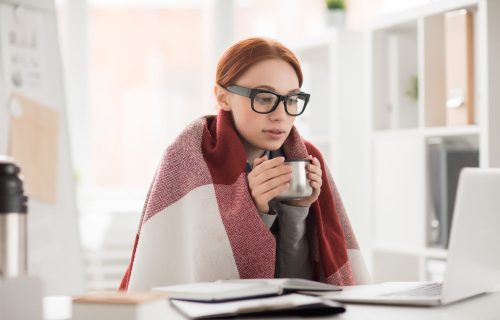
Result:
274,90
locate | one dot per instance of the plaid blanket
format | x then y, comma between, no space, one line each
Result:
200,223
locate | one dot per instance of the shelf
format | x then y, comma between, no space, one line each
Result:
451,131
410,67
431,253
408,16
429,132
391,133
417,150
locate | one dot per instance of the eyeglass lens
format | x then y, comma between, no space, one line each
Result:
265,102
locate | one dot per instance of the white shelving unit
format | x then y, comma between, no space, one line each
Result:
403,46
316,57
334,68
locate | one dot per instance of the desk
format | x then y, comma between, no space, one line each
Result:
484,307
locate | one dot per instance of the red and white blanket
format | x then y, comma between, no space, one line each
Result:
200,223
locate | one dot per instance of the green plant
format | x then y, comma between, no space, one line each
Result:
412,89
335,4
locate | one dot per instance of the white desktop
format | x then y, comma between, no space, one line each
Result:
484,307
472,255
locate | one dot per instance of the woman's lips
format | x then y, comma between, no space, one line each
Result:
274,134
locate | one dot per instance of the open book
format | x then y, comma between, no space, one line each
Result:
291,304
224,290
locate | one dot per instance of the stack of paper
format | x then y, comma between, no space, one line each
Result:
121,306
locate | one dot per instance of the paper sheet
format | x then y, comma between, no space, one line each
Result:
33,143
4,118
23,52
201,309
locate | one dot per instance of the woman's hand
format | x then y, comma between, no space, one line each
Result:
314,173
268,179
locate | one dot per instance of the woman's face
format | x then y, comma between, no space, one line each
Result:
261,132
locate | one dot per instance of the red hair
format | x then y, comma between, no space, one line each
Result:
239,57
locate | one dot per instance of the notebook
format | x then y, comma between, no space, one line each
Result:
473,264
291,304
224,290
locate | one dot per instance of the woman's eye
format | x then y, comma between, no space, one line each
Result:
291,100
265,99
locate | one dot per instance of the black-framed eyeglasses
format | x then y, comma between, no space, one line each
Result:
265,101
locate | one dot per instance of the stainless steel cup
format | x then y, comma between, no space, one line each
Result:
299,185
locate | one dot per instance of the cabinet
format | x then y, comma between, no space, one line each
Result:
408,65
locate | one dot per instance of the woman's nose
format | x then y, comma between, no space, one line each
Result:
279,113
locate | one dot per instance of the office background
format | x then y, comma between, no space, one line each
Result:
138,71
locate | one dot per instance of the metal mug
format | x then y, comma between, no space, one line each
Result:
299,184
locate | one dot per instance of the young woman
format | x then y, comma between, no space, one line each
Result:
212,213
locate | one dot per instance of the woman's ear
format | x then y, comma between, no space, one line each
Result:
222,97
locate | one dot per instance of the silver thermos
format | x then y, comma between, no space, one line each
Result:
13,216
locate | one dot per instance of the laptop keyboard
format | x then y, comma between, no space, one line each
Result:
425,290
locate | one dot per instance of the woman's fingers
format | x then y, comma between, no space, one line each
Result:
264,166
269,163
272,184
316,186
314,171
315,167
268,179
268,170
273,193
258,161
267,196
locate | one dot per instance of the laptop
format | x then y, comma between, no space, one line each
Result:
473,264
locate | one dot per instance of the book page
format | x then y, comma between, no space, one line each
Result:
201,309
214,291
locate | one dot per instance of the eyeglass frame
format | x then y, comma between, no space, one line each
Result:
251,93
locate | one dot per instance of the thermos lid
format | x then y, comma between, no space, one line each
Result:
12,198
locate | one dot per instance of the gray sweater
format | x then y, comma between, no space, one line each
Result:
292,249
288,224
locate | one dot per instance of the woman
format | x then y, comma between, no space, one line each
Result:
211,211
